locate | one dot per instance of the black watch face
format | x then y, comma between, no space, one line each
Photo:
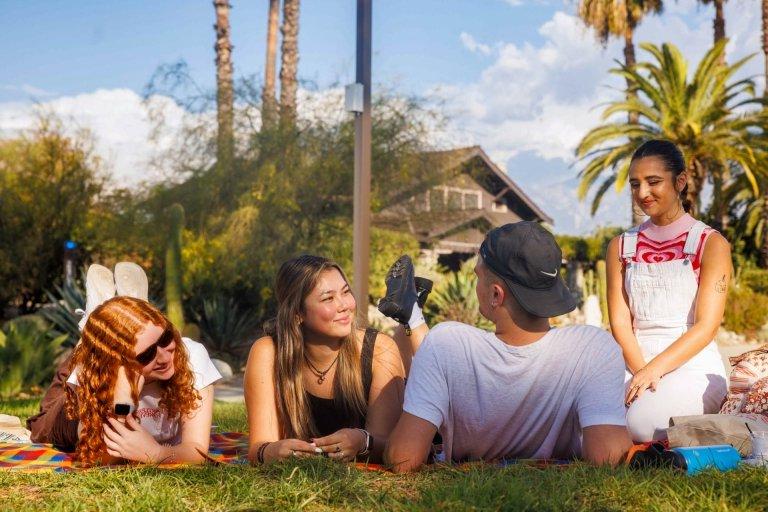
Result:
122,409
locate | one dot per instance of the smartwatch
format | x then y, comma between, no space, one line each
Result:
122,409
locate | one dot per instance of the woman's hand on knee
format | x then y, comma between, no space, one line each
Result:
288,448
645,378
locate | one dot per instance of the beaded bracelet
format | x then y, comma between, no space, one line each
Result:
260,452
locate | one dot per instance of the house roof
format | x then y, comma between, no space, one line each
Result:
460,156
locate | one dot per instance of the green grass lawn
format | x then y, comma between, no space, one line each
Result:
319,484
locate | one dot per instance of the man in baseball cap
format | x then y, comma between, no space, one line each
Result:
526,390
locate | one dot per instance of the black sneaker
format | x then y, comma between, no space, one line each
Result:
401,291
423,287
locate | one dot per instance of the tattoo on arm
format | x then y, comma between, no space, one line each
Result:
720,285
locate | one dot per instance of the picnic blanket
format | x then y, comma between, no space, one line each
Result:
225,448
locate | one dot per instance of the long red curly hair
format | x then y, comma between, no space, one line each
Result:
106,343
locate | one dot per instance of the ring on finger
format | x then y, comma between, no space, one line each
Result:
293,453
338,448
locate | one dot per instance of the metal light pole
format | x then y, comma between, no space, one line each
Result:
361,241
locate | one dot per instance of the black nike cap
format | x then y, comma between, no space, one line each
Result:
527,258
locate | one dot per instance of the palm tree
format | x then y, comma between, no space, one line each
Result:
289,61
718,24
619,18
224,87
268,98
695,114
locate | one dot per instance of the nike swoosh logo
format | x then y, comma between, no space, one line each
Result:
553,274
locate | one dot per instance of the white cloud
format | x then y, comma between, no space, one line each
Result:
119,122
536,101
472,45
27,90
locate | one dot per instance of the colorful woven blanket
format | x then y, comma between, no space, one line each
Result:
225,448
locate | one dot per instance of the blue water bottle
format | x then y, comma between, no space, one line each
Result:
694,459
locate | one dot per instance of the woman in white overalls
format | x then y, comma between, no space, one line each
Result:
667,284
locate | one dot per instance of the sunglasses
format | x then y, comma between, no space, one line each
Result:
148,355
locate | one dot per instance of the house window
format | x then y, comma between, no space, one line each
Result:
473,200
453,198
499,206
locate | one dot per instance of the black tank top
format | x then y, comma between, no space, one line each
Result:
330,417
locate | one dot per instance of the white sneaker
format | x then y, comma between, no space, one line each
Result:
99,287
131,281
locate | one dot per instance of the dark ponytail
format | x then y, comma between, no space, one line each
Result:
672,158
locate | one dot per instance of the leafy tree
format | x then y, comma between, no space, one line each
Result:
49,182
697,114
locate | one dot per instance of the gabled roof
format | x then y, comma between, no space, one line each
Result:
460,156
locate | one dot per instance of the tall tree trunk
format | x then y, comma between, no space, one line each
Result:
719,25
289,61
629,61
268,97
764,246
696,177
224,87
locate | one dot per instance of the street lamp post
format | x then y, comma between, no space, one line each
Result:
362,193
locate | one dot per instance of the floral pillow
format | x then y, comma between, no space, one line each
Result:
748,384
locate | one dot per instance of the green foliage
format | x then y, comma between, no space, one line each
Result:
589,248
60,312
27,354
756,279
49,183
226,329
746,310
173,268
386,247
455,298
695,113
602,288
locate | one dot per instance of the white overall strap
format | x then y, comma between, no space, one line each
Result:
693,239
629,243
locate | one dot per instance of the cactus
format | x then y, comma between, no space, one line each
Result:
589,284
602,289
173,285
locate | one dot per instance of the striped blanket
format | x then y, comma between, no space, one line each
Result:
225,448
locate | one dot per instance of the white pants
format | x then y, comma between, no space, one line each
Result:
683,392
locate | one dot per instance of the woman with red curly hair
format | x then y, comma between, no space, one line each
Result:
139,391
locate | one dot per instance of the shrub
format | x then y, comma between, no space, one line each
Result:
455,299
226,329
28,351
756,279
745,311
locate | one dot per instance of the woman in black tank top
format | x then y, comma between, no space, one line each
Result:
316,384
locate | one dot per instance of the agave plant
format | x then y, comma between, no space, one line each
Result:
60,312
225,328
455,299
28,351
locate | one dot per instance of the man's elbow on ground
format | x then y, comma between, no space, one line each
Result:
400,461
605,445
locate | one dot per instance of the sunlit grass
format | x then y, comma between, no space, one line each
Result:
319,484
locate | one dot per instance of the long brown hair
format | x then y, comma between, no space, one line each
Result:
106,343
295,280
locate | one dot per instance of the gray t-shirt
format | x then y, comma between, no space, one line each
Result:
491,400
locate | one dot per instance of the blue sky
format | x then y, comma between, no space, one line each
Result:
522,78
